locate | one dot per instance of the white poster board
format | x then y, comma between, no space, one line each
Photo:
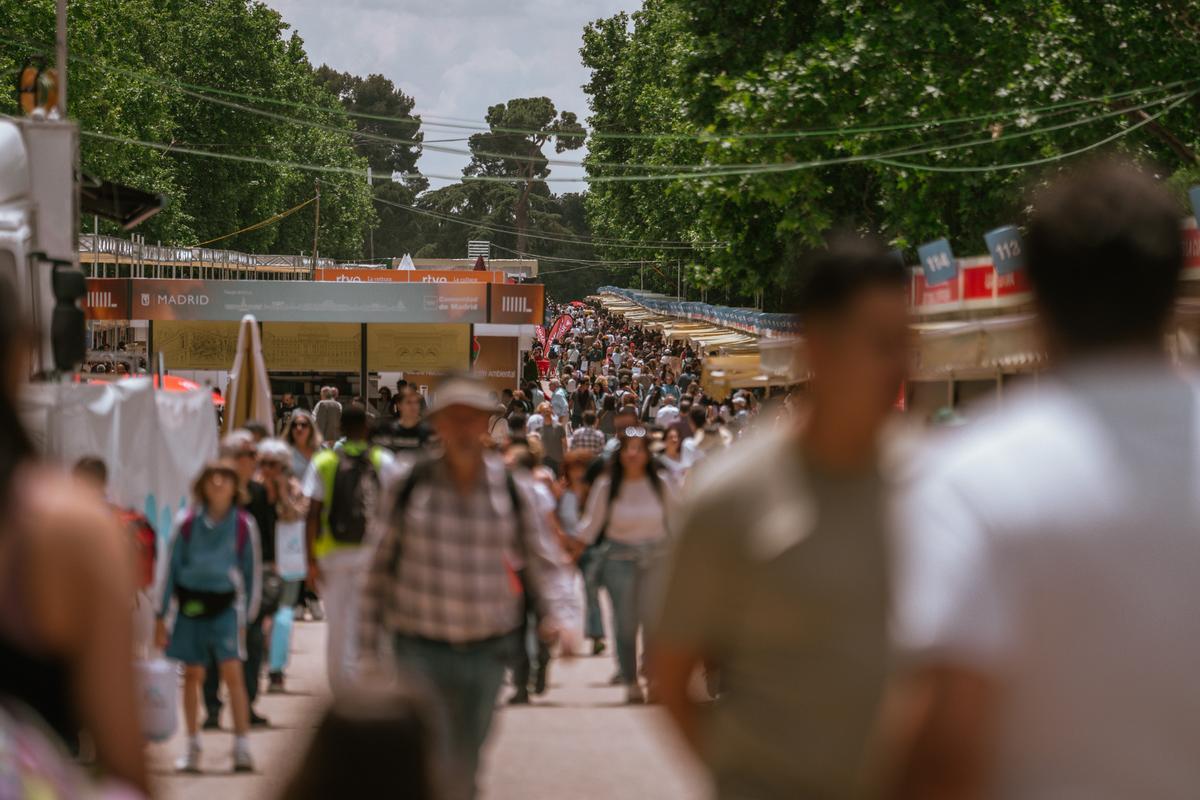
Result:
153,442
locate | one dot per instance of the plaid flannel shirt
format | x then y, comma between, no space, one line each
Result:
586,438
451,580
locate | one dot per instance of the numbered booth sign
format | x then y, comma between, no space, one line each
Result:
937,259
1008,253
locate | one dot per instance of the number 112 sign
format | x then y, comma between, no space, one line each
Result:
937,259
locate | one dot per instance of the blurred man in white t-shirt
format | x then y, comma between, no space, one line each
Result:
1050,580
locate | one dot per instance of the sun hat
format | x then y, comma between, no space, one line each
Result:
462,390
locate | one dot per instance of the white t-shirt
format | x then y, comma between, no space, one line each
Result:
666,416
637,516
1056,548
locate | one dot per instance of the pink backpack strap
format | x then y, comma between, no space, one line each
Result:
243,531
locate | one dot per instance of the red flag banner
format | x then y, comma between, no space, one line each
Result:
539,333
561,327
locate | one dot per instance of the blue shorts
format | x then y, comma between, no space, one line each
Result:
196,641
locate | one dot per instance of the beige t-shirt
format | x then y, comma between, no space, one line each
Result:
781,578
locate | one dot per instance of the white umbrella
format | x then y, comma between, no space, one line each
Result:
249,395
406,262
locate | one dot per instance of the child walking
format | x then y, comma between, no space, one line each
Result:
213,575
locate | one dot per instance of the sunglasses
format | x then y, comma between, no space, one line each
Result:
301,425
635,432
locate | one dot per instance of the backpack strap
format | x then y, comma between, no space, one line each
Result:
420,472
185,534
243,531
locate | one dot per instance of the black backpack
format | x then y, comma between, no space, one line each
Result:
355,492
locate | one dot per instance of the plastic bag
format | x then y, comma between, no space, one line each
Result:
158,690
291,555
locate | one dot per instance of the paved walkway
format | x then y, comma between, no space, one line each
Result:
580,741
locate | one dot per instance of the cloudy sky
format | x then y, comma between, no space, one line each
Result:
457,57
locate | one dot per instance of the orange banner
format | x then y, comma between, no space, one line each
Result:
352,275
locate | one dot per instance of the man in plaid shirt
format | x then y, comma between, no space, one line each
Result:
589,437
442,596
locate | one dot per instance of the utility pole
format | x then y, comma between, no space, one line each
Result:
316,227
642,275
371,189
678,279
60,56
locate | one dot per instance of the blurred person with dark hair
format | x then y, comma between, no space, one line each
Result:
531,663
587,436
780,579
409,431
571,502
1049,562
372,742
65,626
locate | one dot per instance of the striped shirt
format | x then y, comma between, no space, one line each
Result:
445,572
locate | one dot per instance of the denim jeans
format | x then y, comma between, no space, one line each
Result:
632,576
466,681
522,660
590,564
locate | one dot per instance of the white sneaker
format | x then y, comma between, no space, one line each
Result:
633,694
316,610
242,760
190,760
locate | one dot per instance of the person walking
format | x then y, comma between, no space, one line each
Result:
630,505
591,558
1049,550
442,600
554,437
212,576
328,413
342,487
240,449
302,435
409,432
288,510
588,436
780,580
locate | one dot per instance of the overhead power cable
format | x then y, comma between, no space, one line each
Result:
702,136
890,158
1033,162
628,243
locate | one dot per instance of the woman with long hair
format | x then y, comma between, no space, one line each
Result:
631,505
66,577
606,421
652,403
286,496
672,459
303,438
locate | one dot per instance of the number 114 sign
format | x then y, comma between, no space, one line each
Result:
937,259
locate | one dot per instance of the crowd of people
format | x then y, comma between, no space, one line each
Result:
842,605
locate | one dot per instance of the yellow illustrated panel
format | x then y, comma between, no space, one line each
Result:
312,346
196,345
419,348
